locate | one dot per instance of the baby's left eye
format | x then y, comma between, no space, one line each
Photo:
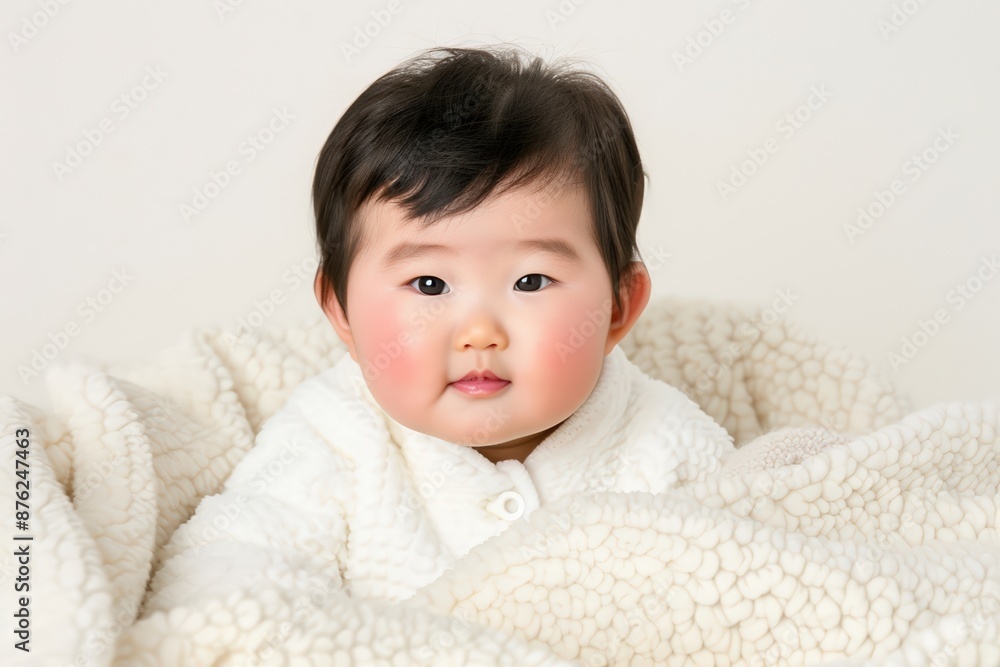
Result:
530,281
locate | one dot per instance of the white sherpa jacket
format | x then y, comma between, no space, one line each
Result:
335,485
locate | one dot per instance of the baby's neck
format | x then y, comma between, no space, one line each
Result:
518,449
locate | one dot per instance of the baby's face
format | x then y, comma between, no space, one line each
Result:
488,300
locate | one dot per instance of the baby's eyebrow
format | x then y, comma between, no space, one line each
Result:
405,251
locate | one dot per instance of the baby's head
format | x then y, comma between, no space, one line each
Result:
476,212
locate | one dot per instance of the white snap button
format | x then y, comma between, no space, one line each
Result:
509,505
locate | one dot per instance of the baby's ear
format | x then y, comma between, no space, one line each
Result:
318,288
635,290
335,314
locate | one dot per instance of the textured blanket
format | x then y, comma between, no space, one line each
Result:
844,529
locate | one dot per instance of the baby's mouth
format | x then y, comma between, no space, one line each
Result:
480,387
481,376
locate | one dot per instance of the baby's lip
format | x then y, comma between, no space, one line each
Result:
485,374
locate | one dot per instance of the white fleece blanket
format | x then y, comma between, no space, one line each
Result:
845,528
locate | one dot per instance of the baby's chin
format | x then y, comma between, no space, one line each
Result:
477,423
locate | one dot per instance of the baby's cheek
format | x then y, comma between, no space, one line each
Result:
379,339
576,333
570,361
405,369
395,362
569,370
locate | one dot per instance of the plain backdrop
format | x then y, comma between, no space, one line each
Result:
767,129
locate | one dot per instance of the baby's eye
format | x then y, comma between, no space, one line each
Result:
531,281
432,283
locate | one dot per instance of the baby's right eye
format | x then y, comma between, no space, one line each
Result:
429,283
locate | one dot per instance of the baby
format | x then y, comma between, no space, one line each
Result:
499,214
476,214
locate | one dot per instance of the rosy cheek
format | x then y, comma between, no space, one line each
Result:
391,357
404,371
570,360
569,369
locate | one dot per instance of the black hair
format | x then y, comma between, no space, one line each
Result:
451,127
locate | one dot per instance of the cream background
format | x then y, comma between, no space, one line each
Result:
227,71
